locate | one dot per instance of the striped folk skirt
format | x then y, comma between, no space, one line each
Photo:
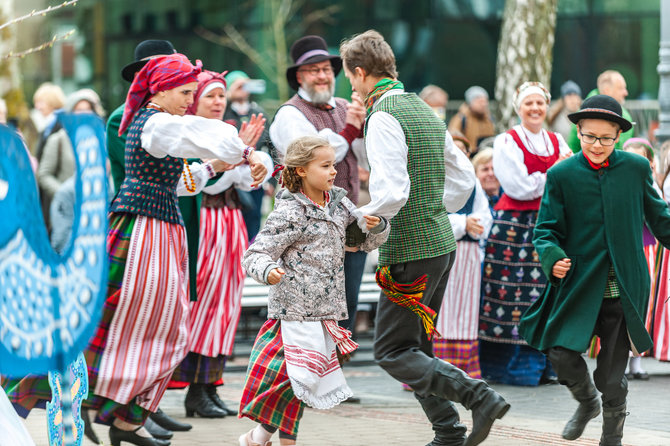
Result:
214,316
458,318
660,331
144,330
267,396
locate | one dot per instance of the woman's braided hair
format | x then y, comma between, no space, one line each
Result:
298,154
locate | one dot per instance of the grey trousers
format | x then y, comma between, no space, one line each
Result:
401,346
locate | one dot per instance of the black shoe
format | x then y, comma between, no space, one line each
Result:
168,423
88,429
644,376
589,407
492,408
210,389
352,400
116,436
156,431
198,402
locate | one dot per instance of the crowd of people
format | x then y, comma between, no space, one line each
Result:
503,258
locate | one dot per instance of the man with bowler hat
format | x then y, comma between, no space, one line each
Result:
589,239
313,110
159,424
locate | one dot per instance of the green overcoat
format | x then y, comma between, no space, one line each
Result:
595,218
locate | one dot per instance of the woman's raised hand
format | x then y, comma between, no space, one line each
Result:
250,132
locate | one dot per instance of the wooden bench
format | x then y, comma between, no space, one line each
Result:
255,295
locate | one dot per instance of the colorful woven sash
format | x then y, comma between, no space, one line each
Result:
408,295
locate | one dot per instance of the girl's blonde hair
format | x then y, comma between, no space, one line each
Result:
298,154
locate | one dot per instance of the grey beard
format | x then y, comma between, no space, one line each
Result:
321,97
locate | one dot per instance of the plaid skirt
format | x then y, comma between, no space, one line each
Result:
268,397
462,354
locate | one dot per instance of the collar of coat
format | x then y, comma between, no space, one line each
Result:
336,195
595,166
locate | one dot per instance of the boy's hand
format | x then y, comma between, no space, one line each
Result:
275,276
371,221
561,268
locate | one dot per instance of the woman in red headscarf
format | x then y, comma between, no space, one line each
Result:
220,277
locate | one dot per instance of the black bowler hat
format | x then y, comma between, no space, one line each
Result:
144,51
604,107
308,50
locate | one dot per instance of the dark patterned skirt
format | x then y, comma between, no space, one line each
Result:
511,281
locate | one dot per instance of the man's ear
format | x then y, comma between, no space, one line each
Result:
360,72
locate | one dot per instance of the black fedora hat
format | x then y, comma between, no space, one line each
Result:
604,107
308,50
144,51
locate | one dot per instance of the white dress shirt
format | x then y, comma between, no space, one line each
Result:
510,169
389,180
290,123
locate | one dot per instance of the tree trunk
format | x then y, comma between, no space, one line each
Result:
525,52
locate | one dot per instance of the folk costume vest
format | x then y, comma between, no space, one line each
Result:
150,185
534,163
334,119
421,229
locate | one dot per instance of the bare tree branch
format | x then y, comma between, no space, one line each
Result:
42,12
35,49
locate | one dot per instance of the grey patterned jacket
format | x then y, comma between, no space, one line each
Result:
308,243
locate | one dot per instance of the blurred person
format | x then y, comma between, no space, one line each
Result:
57,163
414,170
557,116
315,111
589,237
436,98
238,111
47,99
661,322
513,277
474,117
218,279
610,83
483,164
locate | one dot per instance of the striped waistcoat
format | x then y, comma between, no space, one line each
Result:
421,229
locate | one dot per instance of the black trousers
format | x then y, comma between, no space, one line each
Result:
609,376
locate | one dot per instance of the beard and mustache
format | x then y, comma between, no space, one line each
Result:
321,96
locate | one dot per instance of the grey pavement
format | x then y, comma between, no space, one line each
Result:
389,415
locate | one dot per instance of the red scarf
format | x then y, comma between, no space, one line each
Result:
159,74
596,166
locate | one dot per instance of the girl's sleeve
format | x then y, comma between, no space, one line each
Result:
377,236
280,231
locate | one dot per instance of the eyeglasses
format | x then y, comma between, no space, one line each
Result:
591,139
315,70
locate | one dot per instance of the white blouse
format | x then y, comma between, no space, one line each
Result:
509,166
480,210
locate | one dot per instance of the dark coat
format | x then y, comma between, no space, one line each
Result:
595,218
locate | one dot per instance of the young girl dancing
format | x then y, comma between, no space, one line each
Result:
300,251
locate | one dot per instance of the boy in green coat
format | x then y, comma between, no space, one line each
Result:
589,239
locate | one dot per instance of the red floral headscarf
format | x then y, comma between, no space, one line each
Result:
205,79
159,74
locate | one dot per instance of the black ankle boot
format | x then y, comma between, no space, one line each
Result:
613,420
163,420
589,408
445,420
116,436
210,389
486,404
198,402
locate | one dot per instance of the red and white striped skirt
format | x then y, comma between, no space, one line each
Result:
661,312
214,316
148,333
458,318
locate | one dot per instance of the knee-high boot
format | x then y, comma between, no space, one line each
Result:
589,407
486,404
613,420
445,420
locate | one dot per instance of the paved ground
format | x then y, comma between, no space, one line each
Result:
389,415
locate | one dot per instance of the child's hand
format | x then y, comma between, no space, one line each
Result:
472,225
275,276
561,268
371,221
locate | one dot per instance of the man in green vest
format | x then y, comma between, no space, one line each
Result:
589,239
415,171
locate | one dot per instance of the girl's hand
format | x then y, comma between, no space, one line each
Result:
250,132
258,169
275,276
561,268
371,221
472,225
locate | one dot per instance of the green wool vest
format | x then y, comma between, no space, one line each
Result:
421,229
